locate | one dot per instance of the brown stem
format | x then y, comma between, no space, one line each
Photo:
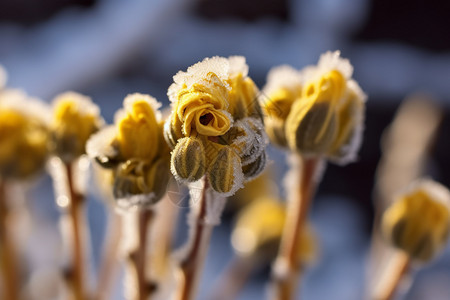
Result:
139,255
110,257
285,278
76,213
8,258
191,265
393,276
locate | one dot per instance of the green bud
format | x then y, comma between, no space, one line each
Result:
188,160
225,172
255,168
311,130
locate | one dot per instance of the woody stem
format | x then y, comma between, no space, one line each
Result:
78,228
191,265
8,259
399,267
286,269
138,256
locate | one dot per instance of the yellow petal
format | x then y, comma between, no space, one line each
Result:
138,132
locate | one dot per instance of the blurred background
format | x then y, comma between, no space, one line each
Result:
107,49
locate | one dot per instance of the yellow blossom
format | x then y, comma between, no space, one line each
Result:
138,130
316,112
418,221
24,140
135,150
202,107
214,103
75,119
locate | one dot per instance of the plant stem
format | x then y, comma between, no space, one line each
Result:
285,273
191,265
393,275
77,222
138,256
8,261
110,258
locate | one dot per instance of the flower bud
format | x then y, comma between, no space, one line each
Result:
158,178
225,172
188,162
23,143
24,134
311,130
172,131
255,168
137,129
418,221
75,119
350,115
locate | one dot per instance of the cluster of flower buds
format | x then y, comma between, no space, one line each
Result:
216,126
318,111
135,152
24,134
418,222
259,227
75,119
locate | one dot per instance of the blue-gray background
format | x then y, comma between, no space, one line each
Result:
109,48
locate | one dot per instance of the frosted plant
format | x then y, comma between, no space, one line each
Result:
135,152
75,118
316,114
417,224
24,137
217,135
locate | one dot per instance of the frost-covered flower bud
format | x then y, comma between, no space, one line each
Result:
215,103
318,112
75,119
259,227
283,88
255,168
24,135
225,172
311,130
418,222
188,161
135,150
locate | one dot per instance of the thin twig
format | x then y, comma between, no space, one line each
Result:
285,278
191,265
8,258
392,277
138,256
76,211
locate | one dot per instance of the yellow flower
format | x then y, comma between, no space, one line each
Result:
135,150
202,107
283,88
316,112
75,119
214,103
260,225
24,137
311,127
418,221
138,130
244,92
